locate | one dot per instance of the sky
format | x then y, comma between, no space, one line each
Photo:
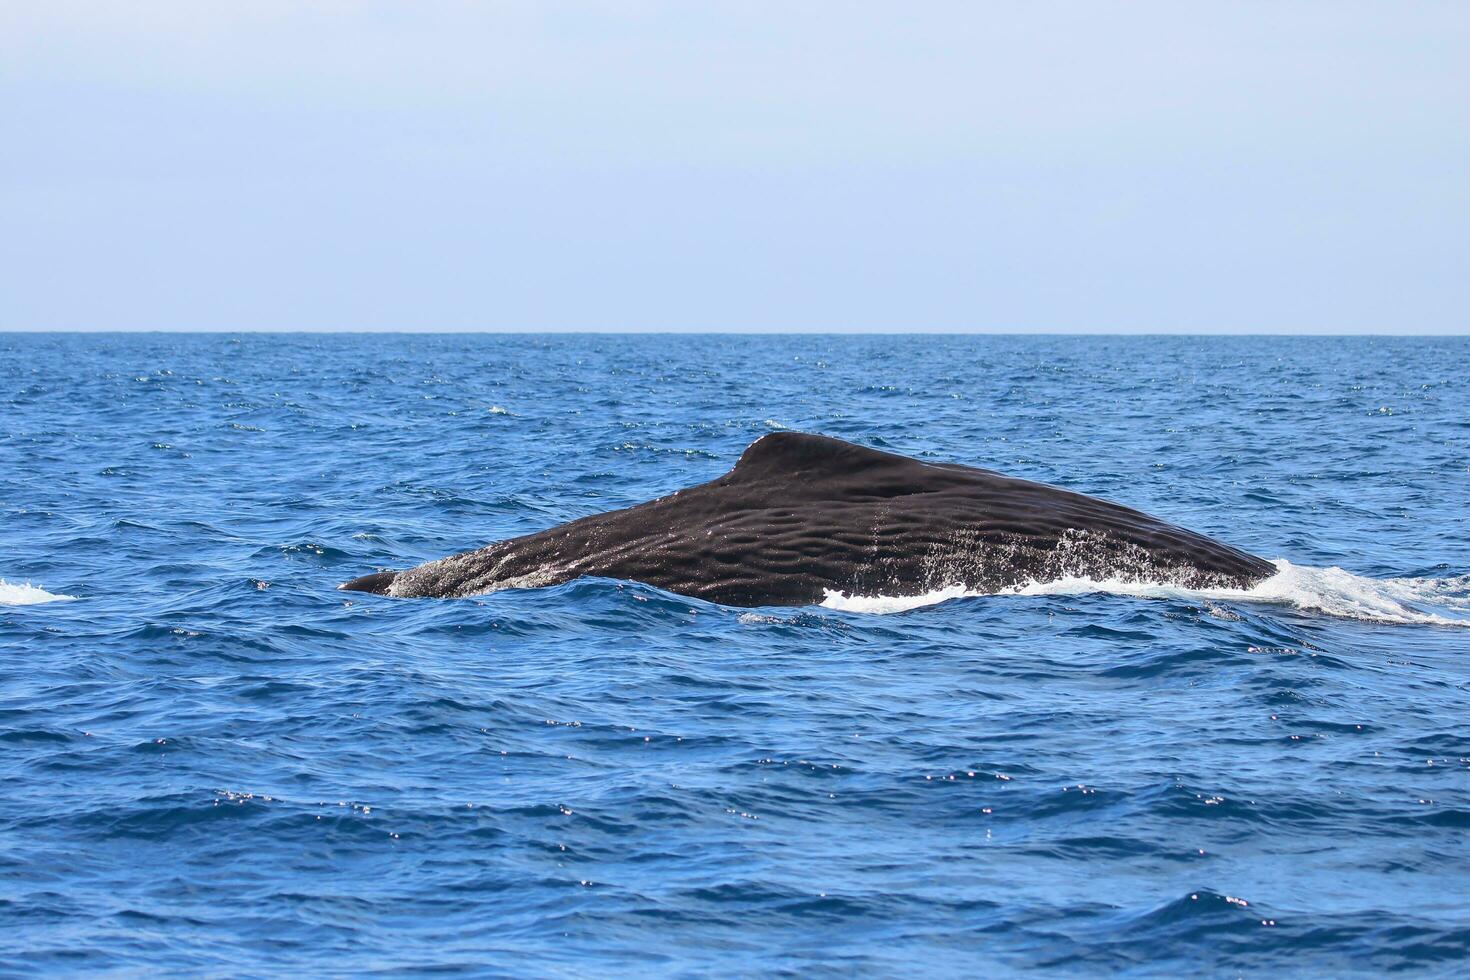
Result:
1073,167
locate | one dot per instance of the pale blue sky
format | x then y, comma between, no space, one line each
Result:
1016,166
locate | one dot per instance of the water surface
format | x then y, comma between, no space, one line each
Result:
214,762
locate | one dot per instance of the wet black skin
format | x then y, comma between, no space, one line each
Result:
801,515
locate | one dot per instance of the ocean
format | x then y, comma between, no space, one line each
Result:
215,763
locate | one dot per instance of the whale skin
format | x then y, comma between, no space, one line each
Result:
803,515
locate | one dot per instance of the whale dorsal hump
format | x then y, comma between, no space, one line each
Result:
793,453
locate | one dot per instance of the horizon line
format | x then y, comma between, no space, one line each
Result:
9,331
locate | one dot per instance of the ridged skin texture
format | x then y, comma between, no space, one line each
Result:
803,514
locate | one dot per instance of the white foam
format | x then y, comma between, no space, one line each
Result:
1333,591
26,595
893,603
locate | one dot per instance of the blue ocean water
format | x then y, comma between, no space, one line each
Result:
214,762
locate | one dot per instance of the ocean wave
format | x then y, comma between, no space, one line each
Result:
524,776
26,594
1332,591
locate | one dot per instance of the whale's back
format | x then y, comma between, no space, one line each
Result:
800,515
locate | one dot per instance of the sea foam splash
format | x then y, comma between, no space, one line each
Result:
27,595
1333,591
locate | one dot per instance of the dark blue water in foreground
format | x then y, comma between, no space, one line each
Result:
214,762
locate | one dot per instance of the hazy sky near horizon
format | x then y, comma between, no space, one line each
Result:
1074,167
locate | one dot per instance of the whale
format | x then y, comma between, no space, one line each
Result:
802,517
